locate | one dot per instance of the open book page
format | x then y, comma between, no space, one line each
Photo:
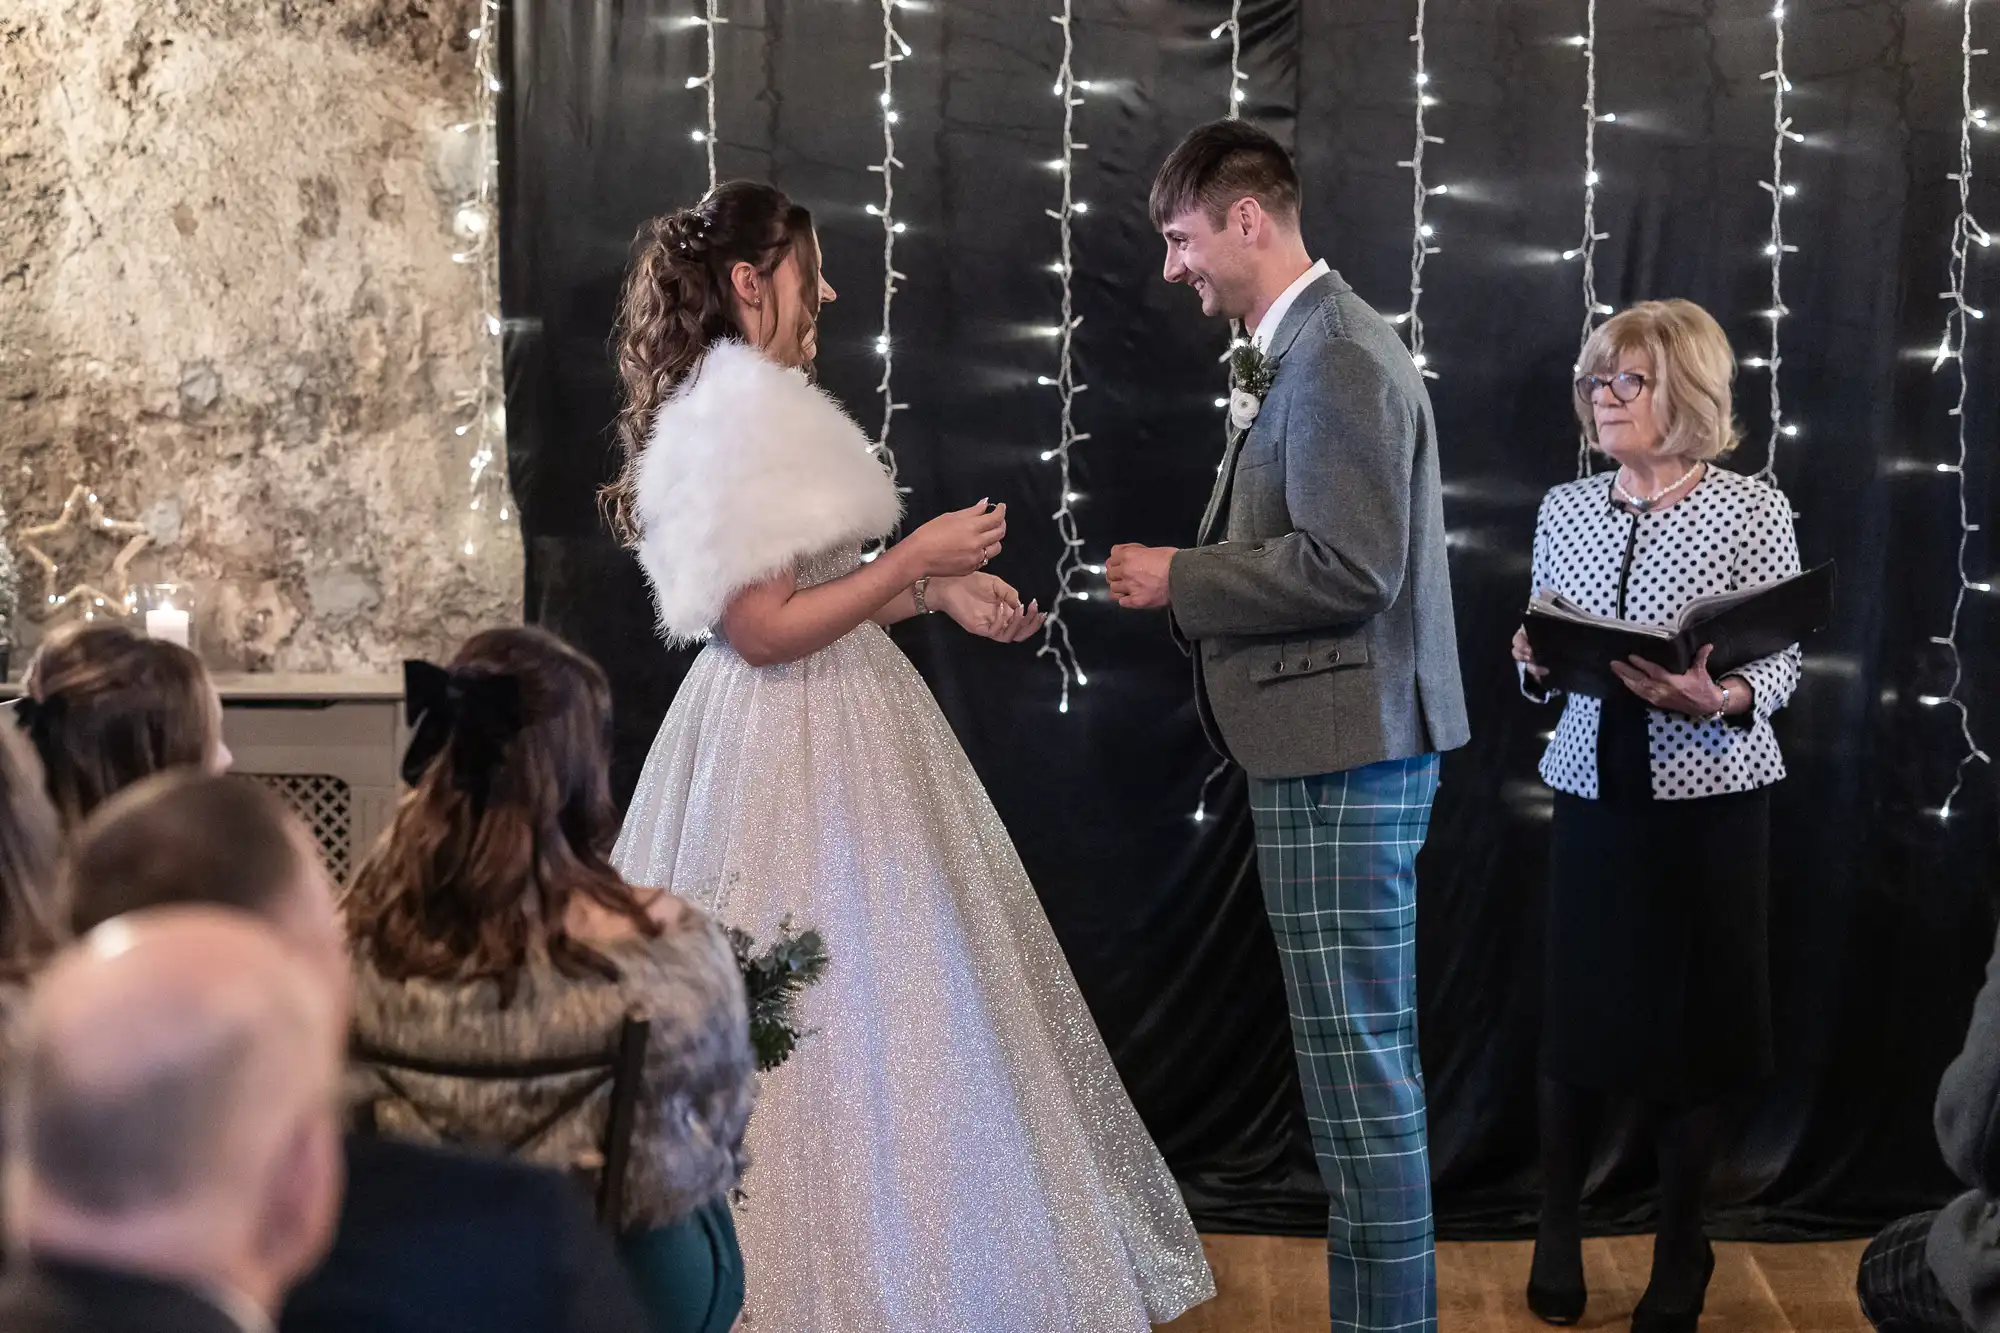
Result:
1714,604
1556,606
1549,602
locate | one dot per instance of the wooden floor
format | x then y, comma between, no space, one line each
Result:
1271,1284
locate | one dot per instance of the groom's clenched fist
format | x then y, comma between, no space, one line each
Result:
1138,575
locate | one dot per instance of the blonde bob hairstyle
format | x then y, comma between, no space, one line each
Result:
1692,370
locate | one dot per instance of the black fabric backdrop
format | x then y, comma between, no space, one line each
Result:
1882,914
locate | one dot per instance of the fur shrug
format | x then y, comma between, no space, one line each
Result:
748,469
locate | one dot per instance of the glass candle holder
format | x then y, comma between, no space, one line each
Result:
164,611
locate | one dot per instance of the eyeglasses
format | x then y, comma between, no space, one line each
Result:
1625,386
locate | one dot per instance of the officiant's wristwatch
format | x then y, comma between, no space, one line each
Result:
917,591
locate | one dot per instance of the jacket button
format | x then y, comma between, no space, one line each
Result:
1278,667
1305,664
1335,657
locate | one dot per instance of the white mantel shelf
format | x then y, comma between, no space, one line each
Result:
278,685
289,687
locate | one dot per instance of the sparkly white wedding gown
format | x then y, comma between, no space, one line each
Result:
951,1149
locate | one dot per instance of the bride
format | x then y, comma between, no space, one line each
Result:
951,1151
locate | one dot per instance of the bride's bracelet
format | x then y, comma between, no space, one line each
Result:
917,591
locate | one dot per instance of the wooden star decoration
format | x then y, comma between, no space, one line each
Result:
83,514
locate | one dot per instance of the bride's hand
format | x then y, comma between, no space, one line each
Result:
986,606
959,542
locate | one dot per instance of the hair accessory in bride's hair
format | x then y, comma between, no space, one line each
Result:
482,711
690,233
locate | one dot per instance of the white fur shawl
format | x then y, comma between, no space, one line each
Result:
748,469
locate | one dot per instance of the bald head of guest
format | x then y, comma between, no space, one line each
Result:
172,1107
188,838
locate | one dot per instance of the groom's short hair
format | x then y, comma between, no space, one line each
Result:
1219,163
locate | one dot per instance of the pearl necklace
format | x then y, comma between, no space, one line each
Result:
1642,505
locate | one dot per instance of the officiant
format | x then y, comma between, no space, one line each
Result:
1656,969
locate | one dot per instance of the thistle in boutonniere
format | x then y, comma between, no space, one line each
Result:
1251,374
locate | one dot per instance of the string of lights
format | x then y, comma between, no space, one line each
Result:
1070,566
708,20
1959,317
894,51
482,408
1232,28
1586,248
1781,134
1215,775
1421,232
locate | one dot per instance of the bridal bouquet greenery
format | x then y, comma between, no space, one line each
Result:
773,980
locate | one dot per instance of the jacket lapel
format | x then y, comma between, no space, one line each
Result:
1225,477
1295,320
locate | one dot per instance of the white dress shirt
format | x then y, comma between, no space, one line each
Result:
1267,327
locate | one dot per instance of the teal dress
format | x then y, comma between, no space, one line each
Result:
689,1276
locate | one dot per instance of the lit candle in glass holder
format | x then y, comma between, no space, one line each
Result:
167,612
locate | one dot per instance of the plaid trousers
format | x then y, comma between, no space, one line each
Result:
1337,855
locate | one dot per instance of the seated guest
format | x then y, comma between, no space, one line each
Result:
489,925
177,1165
105,707
429,1241
32,919
1940,1272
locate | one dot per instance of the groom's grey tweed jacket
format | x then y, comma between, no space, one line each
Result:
1322,625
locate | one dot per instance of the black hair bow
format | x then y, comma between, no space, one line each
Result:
35,717
472,715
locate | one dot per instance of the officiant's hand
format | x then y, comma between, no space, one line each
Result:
988,607
1138,575
1692,692
1524,653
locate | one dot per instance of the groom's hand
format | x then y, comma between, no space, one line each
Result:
1138,575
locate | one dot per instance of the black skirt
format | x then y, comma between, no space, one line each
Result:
1658,959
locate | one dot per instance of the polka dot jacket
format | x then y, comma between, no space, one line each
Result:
1730,532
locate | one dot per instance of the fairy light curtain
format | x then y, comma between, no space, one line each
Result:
1593,155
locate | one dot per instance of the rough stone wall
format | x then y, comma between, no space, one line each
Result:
228,304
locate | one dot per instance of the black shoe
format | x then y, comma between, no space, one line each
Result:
1652,1316
1561,1306
1558,1301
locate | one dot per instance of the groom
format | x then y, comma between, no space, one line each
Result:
1318,607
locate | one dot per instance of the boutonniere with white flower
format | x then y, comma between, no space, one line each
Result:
1251,375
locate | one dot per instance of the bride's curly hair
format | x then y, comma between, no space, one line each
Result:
677,302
